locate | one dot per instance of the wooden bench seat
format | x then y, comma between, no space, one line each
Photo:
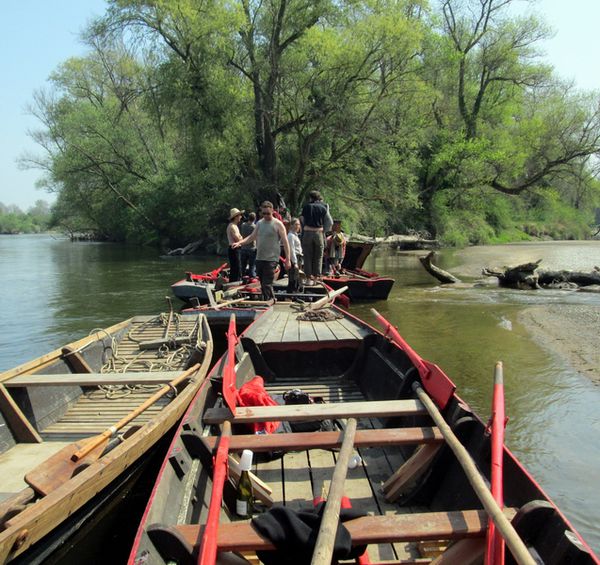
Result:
302,412
329,440
92,379
241,536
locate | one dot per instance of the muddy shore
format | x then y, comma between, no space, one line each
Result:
568,331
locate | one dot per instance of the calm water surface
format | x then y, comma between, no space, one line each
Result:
54,291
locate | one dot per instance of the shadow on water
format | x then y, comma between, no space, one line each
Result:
55,292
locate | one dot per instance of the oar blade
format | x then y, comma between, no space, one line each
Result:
59,468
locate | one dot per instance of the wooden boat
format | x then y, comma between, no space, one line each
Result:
198,287
420,478
77,420
362,285
205,289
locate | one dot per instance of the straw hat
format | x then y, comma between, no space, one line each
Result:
235,212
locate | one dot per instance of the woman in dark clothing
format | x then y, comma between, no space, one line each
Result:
313,218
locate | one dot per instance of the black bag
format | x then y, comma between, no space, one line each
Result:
298,396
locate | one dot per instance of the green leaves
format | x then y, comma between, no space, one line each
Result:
405,117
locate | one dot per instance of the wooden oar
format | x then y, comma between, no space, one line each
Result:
494,554
515,543
103,438
208,545
229,385
327,299
331,515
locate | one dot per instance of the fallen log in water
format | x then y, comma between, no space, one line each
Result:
522,277
577,277
527,277
441,275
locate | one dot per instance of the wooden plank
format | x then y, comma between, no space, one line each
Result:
18,422
299,412
409,472
277,328
329,440
92,379
241,536
377,468
339,330
291,331
258,330
306,331
360,493
323,332
271,472
297,487
355,329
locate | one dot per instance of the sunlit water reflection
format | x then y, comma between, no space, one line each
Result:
54,291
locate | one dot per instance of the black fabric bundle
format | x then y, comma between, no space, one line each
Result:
294,534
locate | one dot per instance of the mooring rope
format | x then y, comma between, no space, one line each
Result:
167,358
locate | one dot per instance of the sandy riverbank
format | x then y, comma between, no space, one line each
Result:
569,331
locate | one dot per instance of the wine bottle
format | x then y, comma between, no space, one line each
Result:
243,499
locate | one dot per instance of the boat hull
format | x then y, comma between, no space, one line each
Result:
45,387
356,372
377,288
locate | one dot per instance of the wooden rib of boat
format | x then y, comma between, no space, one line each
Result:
421,497
77,420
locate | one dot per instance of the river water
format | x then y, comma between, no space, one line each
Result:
54,291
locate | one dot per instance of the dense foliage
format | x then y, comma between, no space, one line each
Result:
13,220
405,114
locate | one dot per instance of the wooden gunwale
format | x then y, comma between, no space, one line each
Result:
36,521
45,360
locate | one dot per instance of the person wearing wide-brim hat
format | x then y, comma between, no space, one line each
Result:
233,236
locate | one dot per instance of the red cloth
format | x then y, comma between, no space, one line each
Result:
253,393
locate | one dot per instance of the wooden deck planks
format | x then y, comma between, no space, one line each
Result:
323,332
340,331
297,485
282,325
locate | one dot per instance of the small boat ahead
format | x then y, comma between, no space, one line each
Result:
363,419
77,420
199,287
362,285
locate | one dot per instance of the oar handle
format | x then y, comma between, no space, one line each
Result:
514,542
95,442
331,515
494,554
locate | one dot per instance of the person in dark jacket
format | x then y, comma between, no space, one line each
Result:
313,218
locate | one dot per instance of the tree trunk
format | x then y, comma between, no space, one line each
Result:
522,277
439,274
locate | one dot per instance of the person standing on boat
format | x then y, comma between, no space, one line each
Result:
233,236
268,234
248,252
296,255
313,218
336,249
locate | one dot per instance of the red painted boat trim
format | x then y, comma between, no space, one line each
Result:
144,519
